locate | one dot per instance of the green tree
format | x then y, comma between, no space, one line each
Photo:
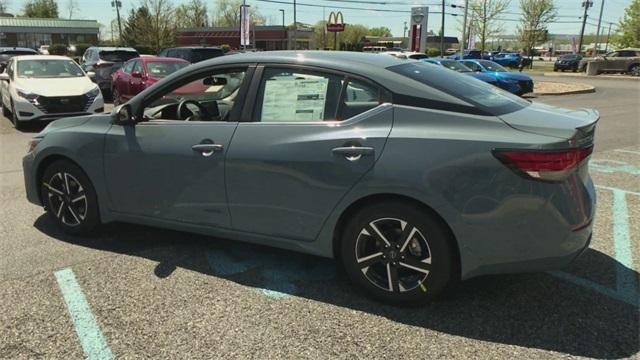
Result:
161,32
381,31
191,15
351,37
485,20
535,18
135,29
41,9
228,14
629,27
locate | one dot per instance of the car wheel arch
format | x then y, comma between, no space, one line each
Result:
362,202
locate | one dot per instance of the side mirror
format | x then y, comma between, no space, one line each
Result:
91,75
121,115
4,76
136,74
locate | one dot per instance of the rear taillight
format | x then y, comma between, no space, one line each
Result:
548,165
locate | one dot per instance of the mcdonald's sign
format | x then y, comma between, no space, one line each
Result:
336,22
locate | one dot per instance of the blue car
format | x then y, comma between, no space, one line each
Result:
468,54
513,82
511,60
457,66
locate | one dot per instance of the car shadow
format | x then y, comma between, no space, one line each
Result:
541,311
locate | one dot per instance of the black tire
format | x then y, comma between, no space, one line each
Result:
367,259
17,124
634,70
115,96
63,185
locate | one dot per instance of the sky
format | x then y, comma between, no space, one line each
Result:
392,14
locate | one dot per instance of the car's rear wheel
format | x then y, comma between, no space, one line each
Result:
115,95
69,197
635,70
398,253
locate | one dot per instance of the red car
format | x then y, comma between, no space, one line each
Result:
138,74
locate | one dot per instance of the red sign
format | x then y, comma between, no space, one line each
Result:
335,27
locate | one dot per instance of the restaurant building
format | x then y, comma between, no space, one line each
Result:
262,37
33,32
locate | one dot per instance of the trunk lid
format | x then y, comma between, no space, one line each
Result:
568,124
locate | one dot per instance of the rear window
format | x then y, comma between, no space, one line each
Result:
118,55
17,52
159,69
486,97
454,65
204,54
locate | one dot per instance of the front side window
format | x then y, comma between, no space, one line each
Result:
491,66
208,97
454,65
485,97
473,66
297,96
137,67
48,69
128,66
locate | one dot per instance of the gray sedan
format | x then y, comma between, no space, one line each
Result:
412,177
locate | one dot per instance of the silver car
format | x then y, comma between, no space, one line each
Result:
411,176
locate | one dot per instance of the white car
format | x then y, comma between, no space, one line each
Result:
406,54
47,87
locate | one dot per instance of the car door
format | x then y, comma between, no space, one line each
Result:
135,79
121,81
312,135
173,170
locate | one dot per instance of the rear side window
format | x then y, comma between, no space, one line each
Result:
357,98
486,98
117,55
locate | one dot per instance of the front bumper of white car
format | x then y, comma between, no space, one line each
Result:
37,108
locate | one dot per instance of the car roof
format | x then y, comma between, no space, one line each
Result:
113,48
160,59
5,48
42,57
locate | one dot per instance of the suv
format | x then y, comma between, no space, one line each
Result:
103,61
623,61
7,53
192,54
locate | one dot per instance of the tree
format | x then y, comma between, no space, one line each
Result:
381,31
72,7
41,9
351,37
629,27
4,6
133,31
161,32
228,14
536,16
485,18
191,15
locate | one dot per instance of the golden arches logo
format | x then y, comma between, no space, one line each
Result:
336,18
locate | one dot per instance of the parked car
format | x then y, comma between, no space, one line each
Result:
567,62
192,54
459,67
43,50
507,59
140,73
622,61
7,53
514,82
468,54
47,87
104,61
412,177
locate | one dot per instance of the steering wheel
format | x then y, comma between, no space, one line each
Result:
202,111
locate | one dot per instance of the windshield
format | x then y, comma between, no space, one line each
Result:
118,55
488,98
48,69
454,65
160,69
206,53
491,66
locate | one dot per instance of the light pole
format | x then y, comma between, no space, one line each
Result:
606,48
595,47
284,28
464,29
586,4
442,32
404,33
118,4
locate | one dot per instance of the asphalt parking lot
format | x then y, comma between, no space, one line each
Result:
139,292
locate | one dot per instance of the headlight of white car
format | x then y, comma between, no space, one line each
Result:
27,95
94,92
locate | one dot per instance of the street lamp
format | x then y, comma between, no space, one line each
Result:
284,28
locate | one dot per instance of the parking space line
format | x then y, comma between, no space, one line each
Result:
628,151
93,342
626,280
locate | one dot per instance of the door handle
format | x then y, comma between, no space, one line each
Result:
353,153
207,149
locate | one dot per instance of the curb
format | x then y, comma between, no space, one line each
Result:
586,90
580,75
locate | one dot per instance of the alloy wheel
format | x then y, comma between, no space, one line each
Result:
115,95
67,198
635,70
393,255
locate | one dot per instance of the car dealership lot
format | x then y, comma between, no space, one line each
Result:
158,293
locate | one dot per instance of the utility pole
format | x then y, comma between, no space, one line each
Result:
464,28
595,47
118,4
404,33
586,5
284,28
442,32
295,27
606,48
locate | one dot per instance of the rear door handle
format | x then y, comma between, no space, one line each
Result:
207,149
353,153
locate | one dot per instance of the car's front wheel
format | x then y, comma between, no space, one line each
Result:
635,70
69,197
115,96
398,253
15,119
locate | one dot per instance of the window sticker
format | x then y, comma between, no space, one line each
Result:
295,99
